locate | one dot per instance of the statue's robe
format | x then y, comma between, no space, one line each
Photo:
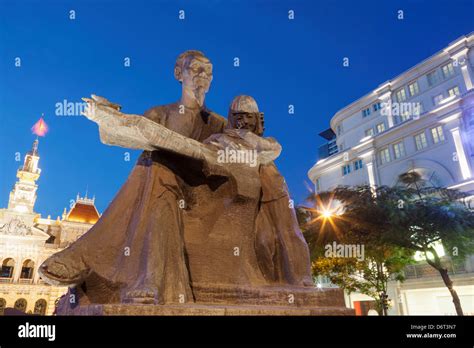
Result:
137,244
253,218
282,252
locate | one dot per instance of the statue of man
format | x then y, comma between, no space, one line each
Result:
135,252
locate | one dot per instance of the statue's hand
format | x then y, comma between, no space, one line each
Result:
97,109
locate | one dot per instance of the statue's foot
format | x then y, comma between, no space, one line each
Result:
143,295
59,271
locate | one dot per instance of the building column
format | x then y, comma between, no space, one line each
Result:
386,99
371,173
461,154
467,77
462,59
17,272
36,274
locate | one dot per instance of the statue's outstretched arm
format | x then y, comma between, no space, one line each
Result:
138,132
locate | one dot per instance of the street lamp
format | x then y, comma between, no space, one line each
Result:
327,214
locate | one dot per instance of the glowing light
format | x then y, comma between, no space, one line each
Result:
326,214
40,128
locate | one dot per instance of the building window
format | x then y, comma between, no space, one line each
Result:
332,147
3,304
380,127
453,91
418,109
384,156
413,88
346,169
377,106
401,95
317,185
399,150
358,164
420,141
369,132
339,129
433,78
405,115
366,112
27,270
448,70
7,268
437,134
20,304
40,307
438,99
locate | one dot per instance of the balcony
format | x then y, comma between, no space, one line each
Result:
25,281
422,269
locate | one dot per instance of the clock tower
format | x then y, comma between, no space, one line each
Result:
23,196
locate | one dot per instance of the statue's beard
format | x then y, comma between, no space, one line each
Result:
199,94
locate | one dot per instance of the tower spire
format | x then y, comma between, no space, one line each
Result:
23,195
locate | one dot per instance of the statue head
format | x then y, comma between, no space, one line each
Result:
194,71
244,114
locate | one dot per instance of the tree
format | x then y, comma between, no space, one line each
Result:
429,215
362,220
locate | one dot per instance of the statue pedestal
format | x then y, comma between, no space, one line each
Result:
204,310
225,300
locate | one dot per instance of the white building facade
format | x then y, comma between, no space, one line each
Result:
423,121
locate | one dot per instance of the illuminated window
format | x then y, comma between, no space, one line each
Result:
380,127
420,141
399,150
437,134
453,91
448,70
384,156
401,95
369,132
413,88
405,115
418,109
438,99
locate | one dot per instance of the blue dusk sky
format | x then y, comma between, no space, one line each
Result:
282,62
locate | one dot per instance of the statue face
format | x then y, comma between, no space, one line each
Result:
246,120
197,74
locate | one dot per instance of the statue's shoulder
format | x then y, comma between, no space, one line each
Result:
159,113
217,121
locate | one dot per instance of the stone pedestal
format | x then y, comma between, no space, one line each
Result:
279,301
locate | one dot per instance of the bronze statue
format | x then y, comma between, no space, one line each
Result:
204,216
